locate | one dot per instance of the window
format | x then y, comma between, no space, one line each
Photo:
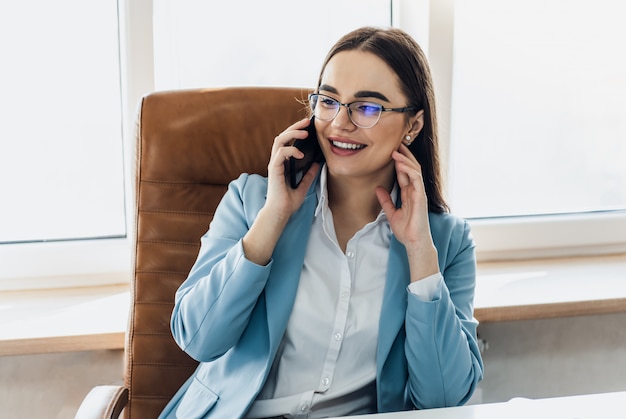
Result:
62,156
61,165
538,102
533,101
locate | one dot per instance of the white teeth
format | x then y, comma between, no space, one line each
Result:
348,146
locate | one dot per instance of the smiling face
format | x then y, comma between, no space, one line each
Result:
355,152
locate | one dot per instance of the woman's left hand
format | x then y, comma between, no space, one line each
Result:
409,222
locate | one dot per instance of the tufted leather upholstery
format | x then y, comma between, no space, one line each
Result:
190,145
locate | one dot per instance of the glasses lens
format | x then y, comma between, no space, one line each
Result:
362,114
365,114
324,108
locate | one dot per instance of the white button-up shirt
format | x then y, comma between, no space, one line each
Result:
326,363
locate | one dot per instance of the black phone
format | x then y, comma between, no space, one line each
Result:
296,168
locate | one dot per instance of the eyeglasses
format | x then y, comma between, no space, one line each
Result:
362,114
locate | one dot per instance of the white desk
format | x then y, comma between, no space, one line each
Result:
592,406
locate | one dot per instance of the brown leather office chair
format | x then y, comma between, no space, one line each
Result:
190,145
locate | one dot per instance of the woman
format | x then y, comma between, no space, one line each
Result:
352,293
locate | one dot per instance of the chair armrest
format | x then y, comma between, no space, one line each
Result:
103,402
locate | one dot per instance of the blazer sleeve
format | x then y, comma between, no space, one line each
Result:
212,307
441,345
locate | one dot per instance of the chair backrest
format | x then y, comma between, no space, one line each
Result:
190,145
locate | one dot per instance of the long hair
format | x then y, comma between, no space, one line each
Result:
405,57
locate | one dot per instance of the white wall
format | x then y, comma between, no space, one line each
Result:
554,357
52,386
539,358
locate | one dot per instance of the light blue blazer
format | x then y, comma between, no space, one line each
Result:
230,314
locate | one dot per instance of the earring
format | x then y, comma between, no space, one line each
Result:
407,140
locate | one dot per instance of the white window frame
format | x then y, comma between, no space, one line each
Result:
98,262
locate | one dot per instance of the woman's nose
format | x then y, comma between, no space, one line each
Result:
343,119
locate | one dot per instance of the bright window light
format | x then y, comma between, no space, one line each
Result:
262,43
61,153
538,105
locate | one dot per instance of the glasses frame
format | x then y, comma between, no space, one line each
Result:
347,106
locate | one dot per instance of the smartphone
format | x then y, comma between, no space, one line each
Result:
296,168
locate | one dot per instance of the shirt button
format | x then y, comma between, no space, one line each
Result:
304,407
337,336
350,255
326,381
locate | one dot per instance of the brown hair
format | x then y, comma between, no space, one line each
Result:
405,57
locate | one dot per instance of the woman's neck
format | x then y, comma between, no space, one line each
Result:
354,204
356,196
352,198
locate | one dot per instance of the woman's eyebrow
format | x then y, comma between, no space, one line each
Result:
327,88
370,93
359,94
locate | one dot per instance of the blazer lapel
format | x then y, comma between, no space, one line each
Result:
282,285
394,301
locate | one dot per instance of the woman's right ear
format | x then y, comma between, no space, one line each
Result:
416,123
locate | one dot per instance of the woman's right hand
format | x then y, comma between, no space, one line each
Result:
282,200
